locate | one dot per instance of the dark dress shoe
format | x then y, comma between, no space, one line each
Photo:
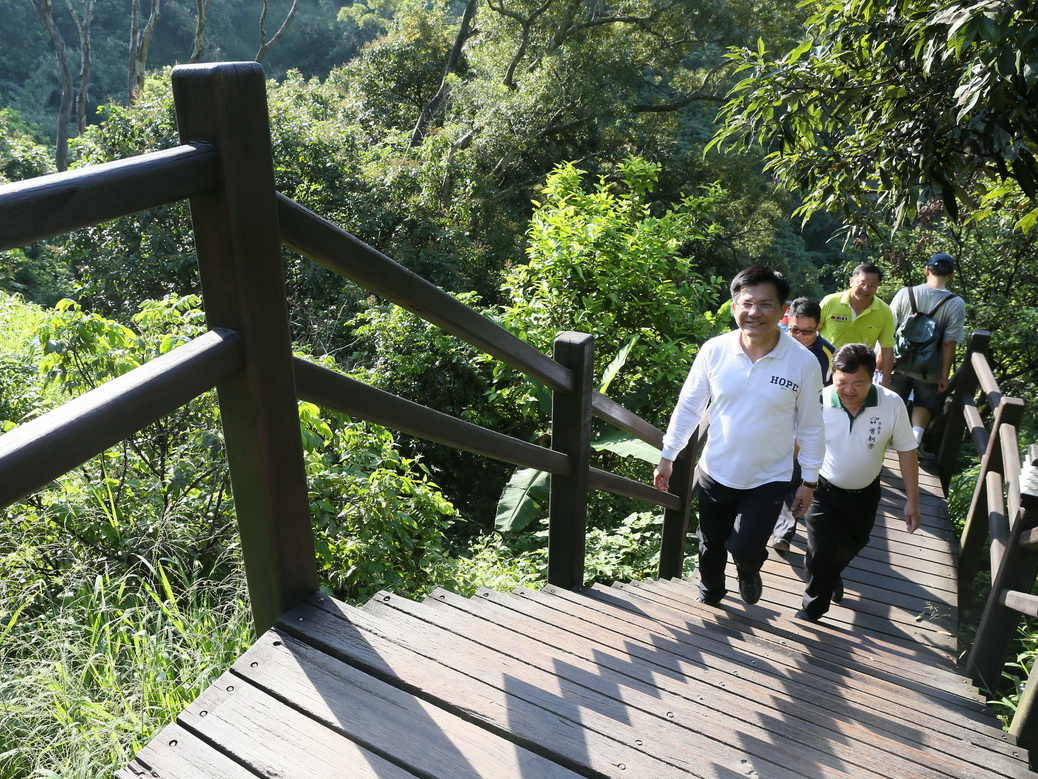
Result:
751,587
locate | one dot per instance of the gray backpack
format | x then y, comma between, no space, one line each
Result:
917,342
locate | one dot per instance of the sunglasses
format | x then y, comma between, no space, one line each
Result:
799,331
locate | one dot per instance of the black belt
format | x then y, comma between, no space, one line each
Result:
827,483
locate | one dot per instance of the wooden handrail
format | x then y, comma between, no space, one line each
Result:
42,449
998,522
962,393
50,205
1011,464
333,248
333,390
986,379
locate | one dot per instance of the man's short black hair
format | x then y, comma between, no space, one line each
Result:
867,267
758,274
850,357
806,307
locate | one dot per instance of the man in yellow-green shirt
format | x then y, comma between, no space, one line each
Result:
858,316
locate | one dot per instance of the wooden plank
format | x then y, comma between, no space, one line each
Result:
177,753
858,616
887,586
572,737
274,739
683,734
936,709
897,601
838,671
769,629
789,650
804,719
352,704
778,603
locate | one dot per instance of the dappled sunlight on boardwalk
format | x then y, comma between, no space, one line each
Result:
630,680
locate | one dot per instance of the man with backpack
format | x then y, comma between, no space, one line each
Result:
930,321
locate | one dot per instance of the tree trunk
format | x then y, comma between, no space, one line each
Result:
46,12
436,104
83,26
140,40
202,17
266,45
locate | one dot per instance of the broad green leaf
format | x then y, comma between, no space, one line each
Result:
626,445
521,499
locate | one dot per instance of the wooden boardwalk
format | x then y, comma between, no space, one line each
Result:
633,680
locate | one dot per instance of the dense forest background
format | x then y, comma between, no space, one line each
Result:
557,164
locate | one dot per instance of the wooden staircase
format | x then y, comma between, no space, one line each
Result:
627,681
632,680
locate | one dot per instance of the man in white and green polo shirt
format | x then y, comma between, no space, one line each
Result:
860,418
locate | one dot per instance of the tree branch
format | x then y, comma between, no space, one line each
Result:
266,46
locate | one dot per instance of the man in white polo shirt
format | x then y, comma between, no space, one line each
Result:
861,418
760,391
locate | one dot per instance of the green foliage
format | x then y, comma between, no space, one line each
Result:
1015,673
161,494
379,521
402,353
626,445
19,384
499,563
523,499
884,106
603,263
630,550
997,276
147,255
87,678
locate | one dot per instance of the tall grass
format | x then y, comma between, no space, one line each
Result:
87,678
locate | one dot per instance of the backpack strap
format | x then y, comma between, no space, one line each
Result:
940,303
911,300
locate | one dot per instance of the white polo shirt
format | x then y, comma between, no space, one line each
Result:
756,411
854,445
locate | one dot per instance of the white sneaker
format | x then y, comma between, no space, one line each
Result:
779,544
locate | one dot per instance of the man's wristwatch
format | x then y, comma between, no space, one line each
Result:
811,485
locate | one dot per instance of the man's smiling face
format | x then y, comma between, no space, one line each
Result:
757,309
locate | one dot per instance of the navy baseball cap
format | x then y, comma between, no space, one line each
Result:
941,264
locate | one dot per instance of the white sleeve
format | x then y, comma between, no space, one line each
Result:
692,402
810,430
903,439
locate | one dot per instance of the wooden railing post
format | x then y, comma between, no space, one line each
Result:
975,530
571,435
998,623
675,521
1025,720
955,428
239,257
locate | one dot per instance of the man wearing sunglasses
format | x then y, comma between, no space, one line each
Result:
802,318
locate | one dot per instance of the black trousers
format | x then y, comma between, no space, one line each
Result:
736,521
839,523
